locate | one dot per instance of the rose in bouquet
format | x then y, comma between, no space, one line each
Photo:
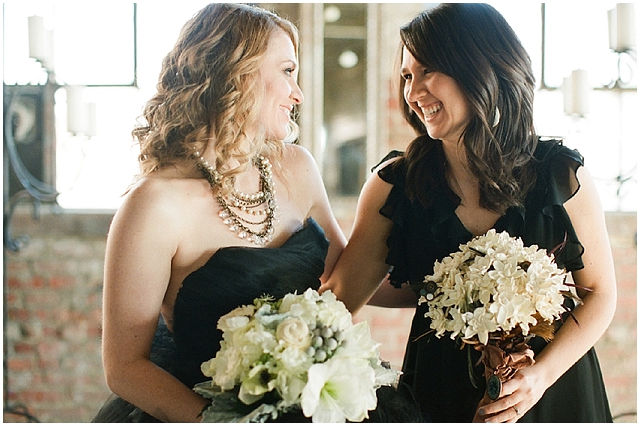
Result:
495,294
300,353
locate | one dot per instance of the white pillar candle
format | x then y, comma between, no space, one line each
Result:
566,96
576,91
47,61
76,110
613,31
625,27
622,29
92,119
580,92
37,38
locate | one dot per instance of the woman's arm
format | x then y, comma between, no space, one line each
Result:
388,296
572,340
141,244
361,267
306,177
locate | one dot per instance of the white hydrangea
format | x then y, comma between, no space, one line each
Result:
494,283
358,343
333,313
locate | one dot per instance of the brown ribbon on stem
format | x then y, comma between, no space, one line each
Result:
502,358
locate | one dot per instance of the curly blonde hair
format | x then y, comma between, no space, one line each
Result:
209,90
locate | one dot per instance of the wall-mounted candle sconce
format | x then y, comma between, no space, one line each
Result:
40,42
81,114
577,88
576,91
622,31
622,41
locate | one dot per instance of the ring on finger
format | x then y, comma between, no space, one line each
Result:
516,409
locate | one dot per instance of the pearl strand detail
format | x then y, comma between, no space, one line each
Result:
246,203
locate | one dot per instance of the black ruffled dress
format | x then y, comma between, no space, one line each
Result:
439,373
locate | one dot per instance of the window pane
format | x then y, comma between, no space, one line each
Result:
577,37
345,97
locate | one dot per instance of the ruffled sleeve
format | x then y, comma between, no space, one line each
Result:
557,182
419,234
395,209
394,175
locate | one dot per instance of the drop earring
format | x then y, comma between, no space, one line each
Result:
496,120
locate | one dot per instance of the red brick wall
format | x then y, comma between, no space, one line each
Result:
617,349
53,308
53,316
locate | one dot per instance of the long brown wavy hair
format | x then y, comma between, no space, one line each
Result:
474,44
209,91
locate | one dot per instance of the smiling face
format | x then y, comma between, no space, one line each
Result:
279,71
436,99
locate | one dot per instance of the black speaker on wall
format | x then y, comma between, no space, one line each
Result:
29,138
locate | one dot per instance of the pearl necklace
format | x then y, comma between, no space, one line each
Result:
246,203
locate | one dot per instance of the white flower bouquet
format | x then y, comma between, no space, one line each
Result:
302,352
495,294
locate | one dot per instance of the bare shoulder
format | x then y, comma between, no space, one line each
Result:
298,158
158,199
375,190
300,170
167,191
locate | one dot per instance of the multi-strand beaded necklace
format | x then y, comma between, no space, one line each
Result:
261,204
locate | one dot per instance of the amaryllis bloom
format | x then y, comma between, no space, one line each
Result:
339,390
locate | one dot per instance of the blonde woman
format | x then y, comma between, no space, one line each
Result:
225,210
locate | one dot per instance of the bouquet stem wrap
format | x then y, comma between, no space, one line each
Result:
502,359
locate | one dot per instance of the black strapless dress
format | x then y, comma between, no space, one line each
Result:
440,375
232,277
